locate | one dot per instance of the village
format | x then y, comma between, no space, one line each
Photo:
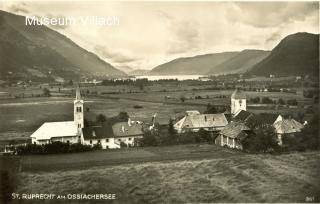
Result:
231,128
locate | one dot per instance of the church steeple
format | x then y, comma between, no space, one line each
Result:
238,102
78,110
78,95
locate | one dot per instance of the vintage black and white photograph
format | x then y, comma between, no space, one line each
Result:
159,102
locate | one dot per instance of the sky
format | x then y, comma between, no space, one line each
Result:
152,33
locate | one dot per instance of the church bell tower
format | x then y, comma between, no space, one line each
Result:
238,102
78,110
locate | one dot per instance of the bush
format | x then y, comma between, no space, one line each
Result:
255,100
292,102
307,139
266,100
264,140
54,148
137,106
281,101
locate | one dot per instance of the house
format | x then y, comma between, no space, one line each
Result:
286,127
238,102
65,131
110,136
194,121
233,134
127,132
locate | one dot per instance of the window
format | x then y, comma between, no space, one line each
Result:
119,140
99,141
90,141
107,140
129,138
78,109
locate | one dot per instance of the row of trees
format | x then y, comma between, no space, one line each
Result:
54,148
267,100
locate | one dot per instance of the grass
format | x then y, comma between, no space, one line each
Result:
122,156
223,177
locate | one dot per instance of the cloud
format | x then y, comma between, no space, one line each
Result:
114,56
184,34
19,8
270,14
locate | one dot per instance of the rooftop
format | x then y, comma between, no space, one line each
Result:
49,130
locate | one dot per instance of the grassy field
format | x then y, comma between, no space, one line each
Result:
174,176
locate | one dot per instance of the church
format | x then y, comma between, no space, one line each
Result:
109,136
65,131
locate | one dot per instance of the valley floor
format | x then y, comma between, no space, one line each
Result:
175,174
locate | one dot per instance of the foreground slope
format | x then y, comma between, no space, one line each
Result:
296,54
200,64
214,174
40,52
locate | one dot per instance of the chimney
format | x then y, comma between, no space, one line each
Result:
129,122
122,128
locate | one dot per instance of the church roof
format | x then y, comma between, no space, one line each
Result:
243,115
50,130
238,94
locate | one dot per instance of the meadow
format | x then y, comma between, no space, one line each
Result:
214,175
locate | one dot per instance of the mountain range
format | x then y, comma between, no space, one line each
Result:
38,52
200,64
296,54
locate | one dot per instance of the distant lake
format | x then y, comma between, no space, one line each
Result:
179,77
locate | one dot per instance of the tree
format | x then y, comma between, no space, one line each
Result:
182,98
308,138
281,101
255,100
149,139
172,134
46,92
292,102
101,118
264,140
266,100
214,109
123,116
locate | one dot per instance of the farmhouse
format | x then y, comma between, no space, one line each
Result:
233,134
112,136
287,127
194,121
